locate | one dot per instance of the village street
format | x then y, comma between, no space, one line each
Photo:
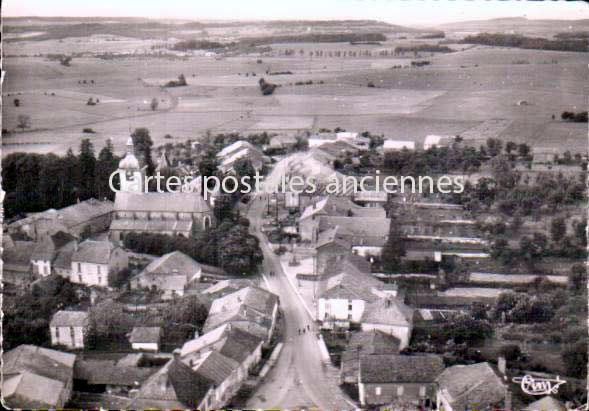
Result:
299,378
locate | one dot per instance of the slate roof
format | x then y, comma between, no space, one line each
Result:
373,342
64,256
350,263
174,262
35,377
230,341
225,287
471,385
388,311
145,335
47,247
69,319
366,231
341,206
151,225
213,365
95,252
393,368
163,202
18,258
547,403
175,385
249,304
98,372
348,286
331,236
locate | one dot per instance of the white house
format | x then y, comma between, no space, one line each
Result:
397,145
170,274
47,249
145,338
69,328
97,263
434,140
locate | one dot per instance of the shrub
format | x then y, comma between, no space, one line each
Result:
88,130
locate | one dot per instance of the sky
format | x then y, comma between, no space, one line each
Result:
404,12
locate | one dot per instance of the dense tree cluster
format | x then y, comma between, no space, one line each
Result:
580,117
229,246
435,160
266,88
315,38
186,45
36,182
523,308
177,83
523,42
423,48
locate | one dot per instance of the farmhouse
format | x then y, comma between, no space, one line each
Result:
97,263
170,274
69,328
46,251
391,316
252,309
88,217
399,380
239,150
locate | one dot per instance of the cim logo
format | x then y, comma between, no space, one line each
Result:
538,386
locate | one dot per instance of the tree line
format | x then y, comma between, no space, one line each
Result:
523,42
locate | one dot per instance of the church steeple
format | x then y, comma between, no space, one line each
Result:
130,172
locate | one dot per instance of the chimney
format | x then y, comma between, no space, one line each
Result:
501,365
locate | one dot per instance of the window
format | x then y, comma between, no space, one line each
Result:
99,271
72,333
80,278
399,390
422,391
377,391
99,280
57,333
79,267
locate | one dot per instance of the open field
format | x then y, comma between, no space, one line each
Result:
476,91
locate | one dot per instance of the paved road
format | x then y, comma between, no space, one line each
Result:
298,378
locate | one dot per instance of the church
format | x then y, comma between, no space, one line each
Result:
139,211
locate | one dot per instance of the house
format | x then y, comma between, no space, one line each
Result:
97,263
35,377
397,145
330,245
69,328
230,341
86,217
174,386
365,343
332,206
145,338
389,315
17,268
224,287
547,403
46,250
367,235
347,289
475,386
139,211
230,155
252,309
398,380
170,274
282,142
222,370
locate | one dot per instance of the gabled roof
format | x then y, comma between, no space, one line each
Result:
145,335
64,256
366,231
373,342
230,341
393,368
19,255
48,246
69,319
164,202
330,236
84,211
341,206
224,287
250,304
237,146
35,377
388,311
470,385
98,372
213,365
151,225
96,252
350,263
175,262
547,403
175,385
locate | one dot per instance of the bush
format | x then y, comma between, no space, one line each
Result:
511,352
88,130
370,84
